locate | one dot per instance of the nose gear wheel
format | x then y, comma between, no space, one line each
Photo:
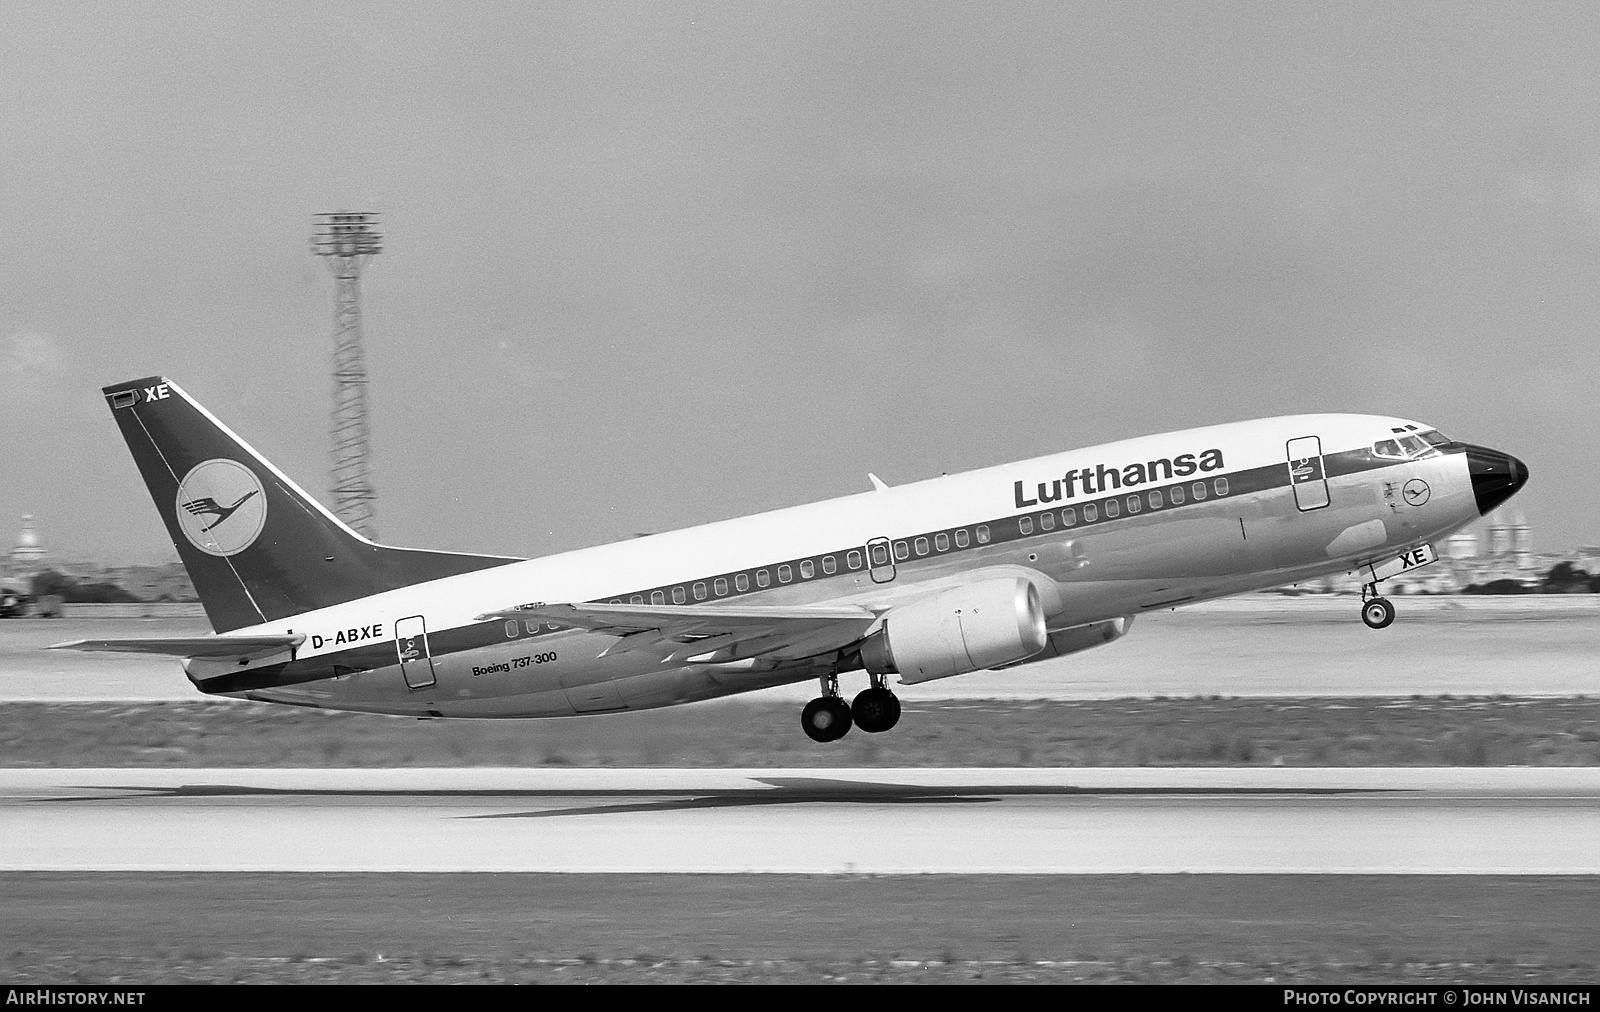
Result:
1377,612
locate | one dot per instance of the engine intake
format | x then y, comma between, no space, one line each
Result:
973,628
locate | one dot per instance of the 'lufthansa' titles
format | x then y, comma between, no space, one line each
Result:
1100,478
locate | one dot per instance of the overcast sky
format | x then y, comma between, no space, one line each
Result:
659,264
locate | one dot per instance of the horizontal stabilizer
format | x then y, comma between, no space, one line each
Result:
212,647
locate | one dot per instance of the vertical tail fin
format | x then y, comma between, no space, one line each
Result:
257,547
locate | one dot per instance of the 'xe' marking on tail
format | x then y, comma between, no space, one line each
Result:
210,505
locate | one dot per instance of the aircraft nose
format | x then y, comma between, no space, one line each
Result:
1496,476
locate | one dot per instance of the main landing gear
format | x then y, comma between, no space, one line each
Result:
829,717
1377,612
826,718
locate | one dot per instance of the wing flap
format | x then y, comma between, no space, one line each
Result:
707,634
653,616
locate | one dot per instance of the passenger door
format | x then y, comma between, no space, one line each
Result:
411,645
1306,474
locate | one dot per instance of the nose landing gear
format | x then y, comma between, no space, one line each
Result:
1377,612
829,717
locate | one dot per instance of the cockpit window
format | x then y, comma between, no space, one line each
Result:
1405,446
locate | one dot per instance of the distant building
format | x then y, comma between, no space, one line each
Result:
1510,555
28,552
26,557
1461,546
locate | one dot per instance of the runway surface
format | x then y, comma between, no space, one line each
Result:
870,821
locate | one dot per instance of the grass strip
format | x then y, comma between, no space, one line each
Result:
529,928
1415,731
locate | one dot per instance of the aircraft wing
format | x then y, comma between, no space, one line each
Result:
213,647
708,634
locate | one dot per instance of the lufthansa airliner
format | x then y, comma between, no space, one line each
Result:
968,572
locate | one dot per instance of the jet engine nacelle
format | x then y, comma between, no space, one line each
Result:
1070,641
972,628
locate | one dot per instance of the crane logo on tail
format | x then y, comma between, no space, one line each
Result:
221,506
210,505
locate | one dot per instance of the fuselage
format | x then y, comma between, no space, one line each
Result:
1102,532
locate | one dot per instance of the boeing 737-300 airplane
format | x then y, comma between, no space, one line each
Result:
967,572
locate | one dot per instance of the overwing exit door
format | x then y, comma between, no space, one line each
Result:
1306,474
411,644
880,560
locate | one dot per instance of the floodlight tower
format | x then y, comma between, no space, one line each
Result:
347,239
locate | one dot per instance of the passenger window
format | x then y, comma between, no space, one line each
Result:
1176,492
741,582
1047,521
678,596
1155,498
1221,486
961,538
763,578
807,570
1134,505
1025,525
721,586
1091,513
921,545
901,552
699,592
785,574
1069,517
941,542
636,599
511,629
983,534
1199,490
532,627
657,597
828,565
880,555
1111,508
853,560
